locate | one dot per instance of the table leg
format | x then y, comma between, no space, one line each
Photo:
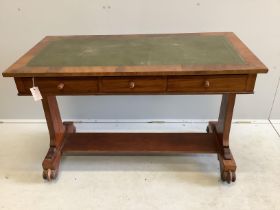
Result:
57,132
222,129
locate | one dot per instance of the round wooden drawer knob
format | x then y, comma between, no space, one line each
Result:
60,86
206,84
131,85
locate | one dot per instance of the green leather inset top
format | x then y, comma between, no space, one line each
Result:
153,50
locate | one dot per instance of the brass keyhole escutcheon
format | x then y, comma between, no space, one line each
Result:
131,85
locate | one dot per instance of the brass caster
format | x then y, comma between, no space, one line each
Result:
228,176
49,174
233,177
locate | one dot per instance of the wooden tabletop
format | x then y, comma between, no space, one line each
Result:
127,55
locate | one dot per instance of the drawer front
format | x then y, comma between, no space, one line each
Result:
132,84
60,86
211,84
139,85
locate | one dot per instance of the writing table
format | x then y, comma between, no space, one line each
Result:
195,63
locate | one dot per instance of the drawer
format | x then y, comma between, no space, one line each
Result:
132,84
211,84
59,86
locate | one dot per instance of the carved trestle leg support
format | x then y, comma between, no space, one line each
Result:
222,130
57,132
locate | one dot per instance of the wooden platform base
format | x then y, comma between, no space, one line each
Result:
139,143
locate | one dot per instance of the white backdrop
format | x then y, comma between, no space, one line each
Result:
257,23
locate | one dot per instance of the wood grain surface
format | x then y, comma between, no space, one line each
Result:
133,85
234,58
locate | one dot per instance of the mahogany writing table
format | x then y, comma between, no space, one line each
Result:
201,63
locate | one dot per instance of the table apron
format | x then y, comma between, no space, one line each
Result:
139,85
